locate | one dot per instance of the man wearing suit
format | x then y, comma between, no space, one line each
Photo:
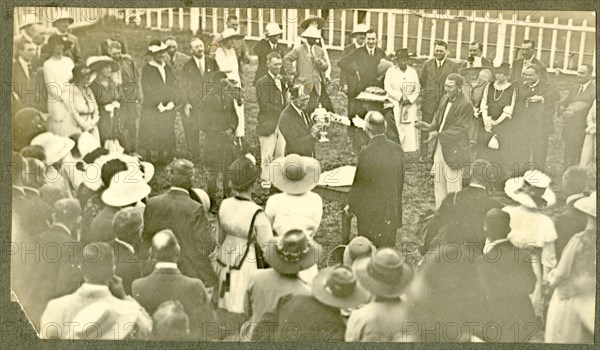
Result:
298,130
196,83
263,48
376,195
527,58
177,211
175,59
505,274
310,67
25,92
37,213
127,226
574,112
166,282
62,24
271,92
462,213
450,132
432,80
360,68
535,105
475,59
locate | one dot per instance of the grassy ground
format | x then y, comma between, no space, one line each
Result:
418,193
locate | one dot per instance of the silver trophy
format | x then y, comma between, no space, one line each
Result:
322,119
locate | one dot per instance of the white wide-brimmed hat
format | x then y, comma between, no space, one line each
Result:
311,32
587,204
156,46
531,190
55,147
96,62
93,180
230,33
320,22
360,29
87,143
272,29
104,316
201,195
295,174
125,188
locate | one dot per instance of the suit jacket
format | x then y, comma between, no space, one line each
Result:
219,110
454,136
569,222
432,83
463,221
271,102
101,229
26,93
128,264
578,121
347,50
196,84
36,214
296,133
517,67
262,49
165,284
539,115
309,70
378,184
175,210
361,69
485,62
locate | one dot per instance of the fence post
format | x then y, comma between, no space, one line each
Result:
404,29
181,18
568,45
203,17
527,21
581,45
194,25
421,19
380,29
215,18
148,18
391,32
486,30
539,39
433,35
553,45
249,22
343,29
331,24
459,33
500,39
170,12
513,35
158,19
447,27
292,29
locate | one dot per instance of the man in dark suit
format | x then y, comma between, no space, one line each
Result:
360,69
177,211
376,195
535,106
271,92
25,92
475,58
196,83
527,58
459,219
37,213
450,132
127,226
266,46
574,112
506,277
432,80
166,282
298,130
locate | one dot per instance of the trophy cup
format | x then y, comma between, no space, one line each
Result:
322,119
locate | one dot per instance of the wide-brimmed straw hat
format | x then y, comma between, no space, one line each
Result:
92,171
97,321
358,248
64,16
272,29
531,190
230,33
384,274
55,147
295,174
156,46
292,252
304,24
360,29
587,204
311,32
337,286
96,63
125,188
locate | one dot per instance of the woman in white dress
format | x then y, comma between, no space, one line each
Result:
402,86
58,70
588,153
227,61
83,110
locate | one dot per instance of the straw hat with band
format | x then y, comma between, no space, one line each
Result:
292,252
243,172
360,29
125,188
531,190
97,63
64,16
321,22
55,147
272,29
295,174
587,204
337,286
230,33
384,274
156,46
311,32
358,248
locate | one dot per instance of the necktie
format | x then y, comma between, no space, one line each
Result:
278,82
581,89
306,120
29,71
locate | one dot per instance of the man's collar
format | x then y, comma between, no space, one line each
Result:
572,198
476,185
165,265
180,189
584,85
534,84
358,46
23,62
272,76
489,245
89,288
296,108
62,226
61,33
19,188
441,63
155,64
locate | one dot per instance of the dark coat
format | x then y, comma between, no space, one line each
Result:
197,85
101,229
347,50
506,276
169,284
35,215
462,222
569,222
432,83
376,195
262,49
219,112
485,62
26,92
271,102
175,210
128,264
361,69
535,116
517,68
454,136
296,133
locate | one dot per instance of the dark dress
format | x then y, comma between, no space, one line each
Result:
110,128
130,97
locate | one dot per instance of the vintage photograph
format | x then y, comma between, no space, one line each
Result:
304,175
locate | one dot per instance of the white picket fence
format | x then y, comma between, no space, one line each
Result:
560,46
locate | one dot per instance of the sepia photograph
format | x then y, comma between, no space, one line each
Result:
218,174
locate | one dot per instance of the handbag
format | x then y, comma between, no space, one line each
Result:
493,144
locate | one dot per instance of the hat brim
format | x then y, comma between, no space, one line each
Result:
304,24
114,198
301,186
277,261
148,171
380,288
157,49
69,19
585,206
236,36
369,97
54,157
280,32
96,66
319,289
512,185
310,36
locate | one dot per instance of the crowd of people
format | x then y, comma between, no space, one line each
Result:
94,257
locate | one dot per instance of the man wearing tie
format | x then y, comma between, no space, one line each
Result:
475,58
25,93
574,110
271,93
196,79
300,133
264,47
432,80
449,130
526,59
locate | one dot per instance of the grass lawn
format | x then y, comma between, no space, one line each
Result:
418,193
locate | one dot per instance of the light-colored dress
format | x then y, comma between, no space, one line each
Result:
57,73
228,62
235,216
571,319
398,85
588,152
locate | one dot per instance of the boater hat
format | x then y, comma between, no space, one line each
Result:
360,29
156,46
96,63
336,286
295,174
230,33
311,32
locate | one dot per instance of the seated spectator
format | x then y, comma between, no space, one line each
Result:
170,322
127,227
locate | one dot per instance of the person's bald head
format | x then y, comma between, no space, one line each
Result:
374,123
165,247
